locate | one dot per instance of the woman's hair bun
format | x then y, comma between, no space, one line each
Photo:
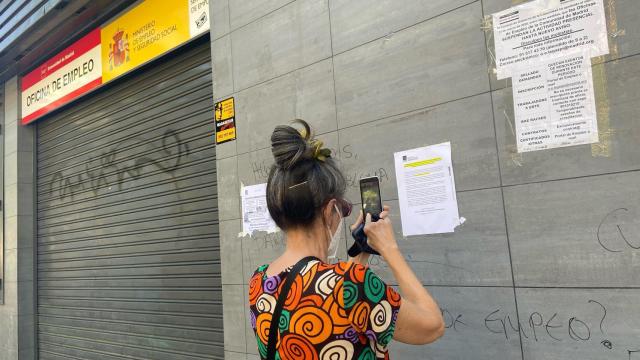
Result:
290,146
303,178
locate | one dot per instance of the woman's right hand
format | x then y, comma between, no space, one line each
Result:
380,235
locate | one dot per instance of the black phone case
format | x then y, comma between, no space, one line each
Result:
360,245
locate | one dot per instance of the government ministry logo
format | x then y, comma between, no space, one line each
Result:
119,49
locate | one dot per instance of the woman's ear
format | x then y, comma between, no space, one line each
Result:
328,210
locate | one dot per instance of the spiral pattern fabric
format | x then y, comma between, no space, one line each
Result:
337,311
312,323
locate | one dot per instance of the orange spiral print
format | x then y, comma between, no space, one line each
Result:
296,347
359,316
255,288
338,315
314,300
393,297
312,323
294,295
324,267
357,273
263,324
341,268
338,293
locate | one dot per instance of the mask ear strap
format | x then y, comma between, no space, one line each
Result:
335,206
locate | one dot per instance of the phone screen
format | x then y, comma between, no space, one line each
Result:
370,194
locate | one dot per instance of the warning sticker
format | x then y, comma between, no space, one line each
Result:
225,115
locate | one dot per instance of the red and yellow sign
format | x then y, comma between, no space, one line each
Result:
225,115
141,34
66,76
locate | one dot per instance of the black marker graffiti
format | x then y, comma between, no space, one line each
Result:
499,328
353,177
549,326
107,169
260,170
275,240
611,219
519,329
574,325
577,329
450,321
606,343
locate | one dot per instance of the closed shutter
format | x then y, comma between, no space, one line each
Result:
127,222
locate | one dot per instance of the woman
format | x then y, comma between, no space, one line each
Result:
330,311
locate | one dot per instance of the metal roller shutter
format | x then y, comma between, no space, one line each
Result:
127,220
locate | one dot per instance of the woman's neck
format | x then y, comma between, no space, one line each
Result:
300,244
307,242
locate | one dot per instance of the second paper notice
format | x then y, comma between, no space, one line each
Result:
554,103
427,190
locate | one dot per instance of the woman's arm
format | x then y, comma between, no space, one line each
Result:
419,320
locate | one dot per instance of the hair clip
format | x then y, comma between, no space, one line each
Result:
320,153
296,185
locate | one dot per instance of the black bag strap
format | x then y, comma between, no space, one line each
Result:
277,311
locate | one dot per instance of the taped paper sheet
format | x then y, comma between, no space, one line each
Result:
255,214
427,190
548,28
554,103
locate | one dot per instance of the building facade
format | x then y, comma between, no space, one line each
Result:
122,218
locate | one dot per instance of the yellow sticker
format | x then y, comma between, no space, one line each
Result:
225,118
225,135
225,109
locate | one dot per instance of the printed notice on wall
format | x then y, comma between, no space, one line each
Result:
427,190
548,28
554,104
255,214
198,16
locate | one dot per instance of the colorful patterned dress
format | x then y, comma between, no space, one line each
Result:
338,312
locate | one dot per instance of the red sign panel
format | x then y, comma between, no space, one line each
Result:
66,76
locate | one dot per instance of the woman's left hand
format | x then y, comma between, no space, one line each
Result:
362,258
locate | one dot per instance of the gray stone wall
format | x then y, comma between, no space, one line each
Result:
525,277
17,314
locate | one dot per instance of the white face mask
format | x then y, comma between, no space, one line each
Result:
332,251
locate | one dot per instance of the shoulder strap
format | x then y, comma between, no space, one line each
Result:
277,311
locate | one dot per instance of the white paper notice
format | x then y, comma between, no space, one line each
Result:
546,28
255,214
198,17
554,104
427,190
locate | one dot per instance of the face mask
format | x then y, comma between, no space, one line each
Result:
335,238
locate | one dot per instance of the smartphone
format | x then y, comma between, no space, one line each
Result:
371,204
370,196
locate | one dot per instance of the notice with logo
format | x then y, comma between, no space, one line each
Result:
427,190
548,28
255,214
554,104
